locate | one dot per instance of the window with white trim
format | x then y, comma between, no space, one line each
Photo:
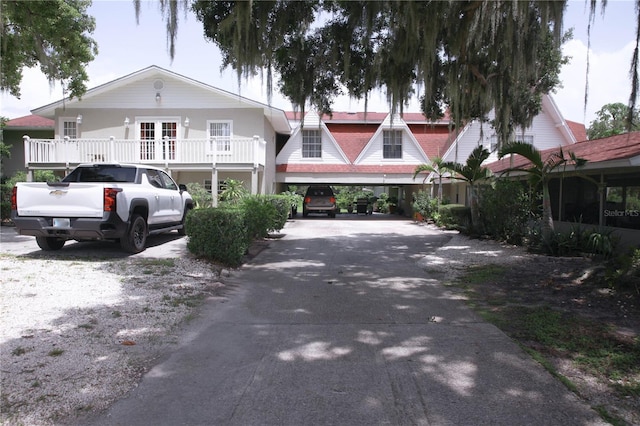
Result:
392,144
524,138
222,185
311,144
207,185
70,128
220,133
518,137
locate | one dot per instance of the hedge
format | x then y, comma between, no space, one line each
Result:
224,234
219,234
454,215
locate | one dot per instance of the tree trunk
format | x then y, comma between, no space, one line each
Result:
547,217
475,210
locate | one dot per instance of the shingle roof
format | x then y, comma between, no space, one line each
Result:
617,147
578,129
352,138
433,139
369,117
31,122
346,168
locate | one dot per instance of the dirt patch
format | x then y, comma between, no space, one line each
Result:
576,291
573,284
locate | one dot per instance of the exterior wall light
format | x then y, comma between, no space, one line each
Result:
186,122
126,122
158,98
79,119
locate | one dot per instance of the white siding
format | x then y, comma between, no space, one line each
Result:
373,153
545,129
292,151
175,93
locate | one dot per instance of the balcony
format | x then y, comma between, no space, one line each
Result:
188,153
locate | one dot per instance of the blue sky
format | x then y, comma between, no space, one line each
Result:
125,47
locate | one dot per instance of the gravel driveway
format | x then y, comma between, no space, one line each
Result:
80,326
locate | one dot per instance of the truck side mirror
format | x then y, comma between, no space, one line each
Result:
183,187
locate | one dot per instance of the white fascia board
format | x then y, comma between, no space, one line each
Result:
549,105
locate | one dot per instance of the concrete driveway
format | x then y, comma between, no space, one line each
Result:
335,324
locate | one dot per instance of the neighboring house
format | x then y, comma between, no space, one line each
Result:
548,130
197,132
12,135
610,194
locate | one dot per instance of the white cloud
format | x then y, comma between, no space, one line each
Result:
35,92
609,80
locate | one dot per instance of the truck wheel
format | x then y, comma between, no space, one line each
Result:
183,230
136,238
50,243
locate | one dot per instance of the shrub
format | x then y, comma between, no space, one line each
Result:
283,205
577,241
219,234
201,197
426,205
504,210
233,191
455,216
624,271
258,215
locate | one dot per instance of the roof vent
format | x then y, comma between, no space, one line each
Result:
158,84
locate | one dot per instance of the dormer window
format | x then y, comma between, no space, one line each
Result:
311,144
392,144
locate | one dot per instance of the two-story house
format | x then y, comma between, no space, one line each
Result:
197,132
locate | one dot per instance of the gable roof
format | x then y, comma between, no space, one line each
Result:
625,147
578,129
276,116
30,122
352,138
395,123
354,132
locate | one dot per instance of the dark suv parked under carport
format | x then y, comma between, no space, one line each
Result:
319,199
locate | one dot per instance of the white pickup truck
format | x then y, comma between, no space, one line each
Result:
118,202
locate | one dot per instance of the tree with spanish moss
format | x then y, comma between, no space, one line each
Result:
470,56
54,35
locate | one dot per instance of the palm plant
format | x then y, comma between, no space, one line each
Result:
436,167
472,172
540,171
233,191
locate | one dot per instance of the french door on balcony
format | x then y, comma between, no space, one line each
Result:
158,139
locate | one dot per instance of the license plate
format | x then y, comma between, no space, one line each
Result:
61,223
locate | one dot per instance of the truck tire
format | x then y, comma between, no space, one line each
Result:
50,243
136,239
183,231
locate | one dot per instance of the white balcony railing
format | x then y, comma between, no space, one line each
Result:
167,151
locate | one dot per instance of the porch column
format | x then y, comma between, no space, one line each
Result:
214,186
603,198
254,181
27,157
